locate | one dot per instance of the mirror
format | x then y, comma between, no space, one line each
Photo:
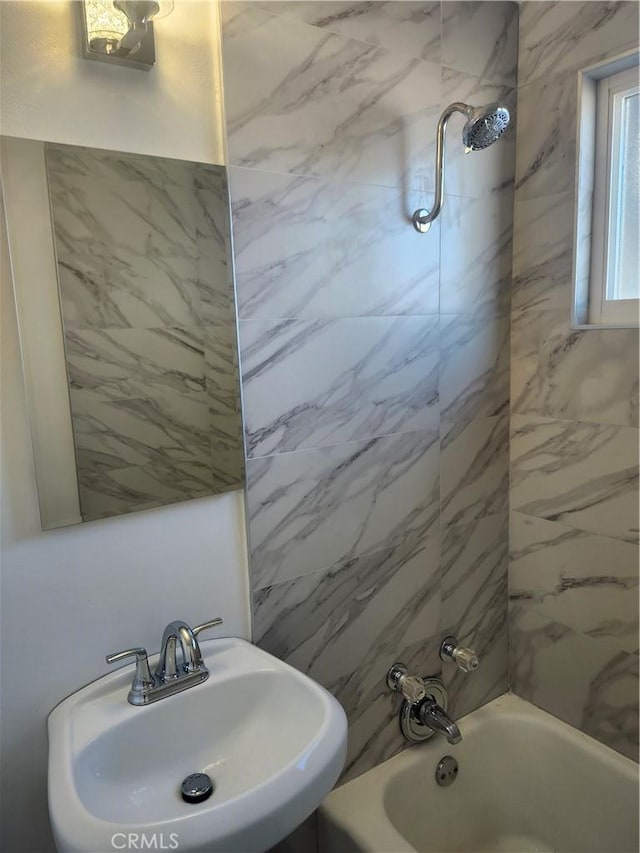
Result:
123,277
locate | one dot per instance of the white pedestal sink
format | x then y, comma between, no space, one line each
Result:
272,740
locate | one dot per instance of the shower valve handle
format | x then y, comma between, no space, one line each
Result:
465,659
411,686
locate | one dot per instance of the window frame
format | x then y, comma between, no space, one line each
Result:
610,94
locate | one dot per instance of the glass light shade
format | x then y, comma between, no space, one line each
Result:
121,31
104,21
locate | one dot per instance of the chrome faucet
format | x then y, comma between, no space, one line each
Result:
167,668
169,676
432,715
423,711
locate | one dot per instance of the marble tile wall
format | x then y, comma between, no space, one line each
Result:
374,360
142,245
573,573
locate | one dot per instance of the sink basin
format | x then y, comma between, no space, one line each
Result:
272,740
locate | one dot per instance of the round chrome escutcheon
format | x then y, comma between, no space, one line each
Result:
412,729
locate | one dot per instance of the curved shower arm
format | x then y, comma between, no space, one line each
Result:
422,218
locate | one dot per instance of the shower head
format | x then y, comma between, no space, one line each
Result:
484,126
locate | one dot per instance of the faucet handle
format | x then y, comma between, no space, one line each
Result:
213,623
139,653
411,686
143,679
465,659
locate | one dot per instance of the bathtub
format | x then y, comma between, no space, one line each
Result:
526,782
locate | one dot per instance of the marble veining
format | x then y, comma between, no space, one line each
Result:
585,681
410,27
306,248
221,372
474,470
309,383
558,36
573,573
481,39
74,160
126,254
589,375
474,367
321,104
474,576
542,253
122,361
213,245
474,608
375,360
149,427
313,509
113,492
327,622
585,581
142,245
580,474
475,270
610,714
547,114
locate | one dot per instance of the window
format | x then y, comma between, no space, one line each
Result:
614,276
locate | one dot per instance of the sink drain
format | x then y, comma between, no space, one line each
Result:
196,788
447,771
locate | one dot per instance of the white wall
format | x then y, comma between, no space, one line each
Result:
49,92
70,596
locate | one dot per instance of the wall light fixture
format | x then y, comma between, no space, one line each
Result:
121,31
